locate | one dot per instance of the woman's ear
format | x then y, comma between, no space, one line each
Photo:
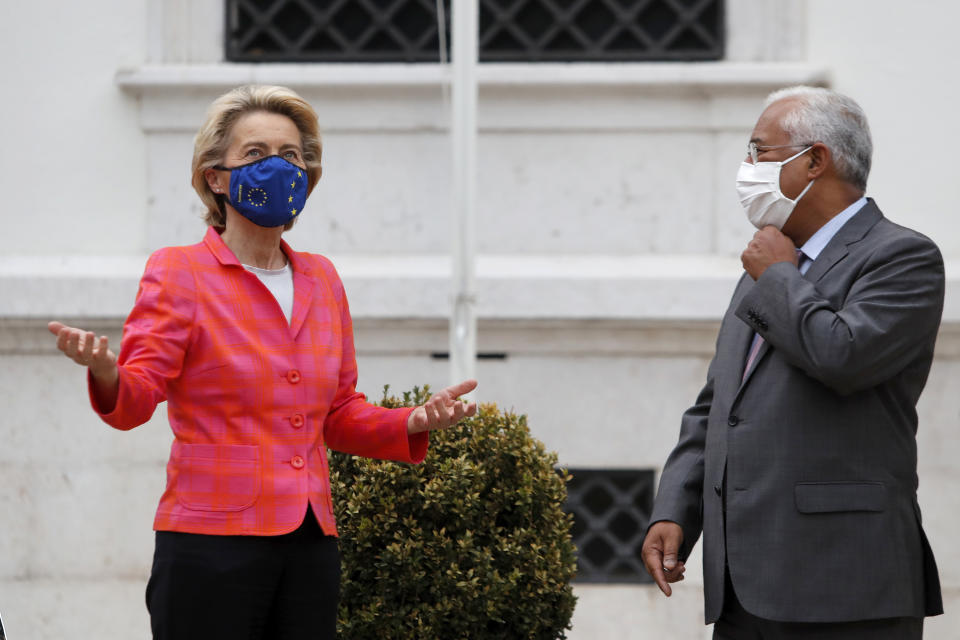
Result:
213,181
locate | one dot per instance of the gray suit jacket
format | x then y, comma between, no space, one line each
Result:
814,454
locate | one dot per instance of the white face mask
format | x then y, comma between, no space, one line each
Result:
758,186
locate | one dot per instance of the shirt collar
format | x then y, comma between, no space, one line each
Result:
225,256
818,241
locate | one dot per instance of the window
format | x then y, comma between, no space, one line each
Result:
611,511
510,30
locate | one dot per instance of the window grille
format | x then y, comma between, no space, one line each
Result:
510,30
611,511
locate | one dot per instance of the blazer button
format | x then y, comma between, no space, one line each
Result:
718,490
296,421
296,462
733,421
293,376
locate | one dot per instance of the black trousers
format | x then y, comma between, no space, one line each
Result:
736,623
207,587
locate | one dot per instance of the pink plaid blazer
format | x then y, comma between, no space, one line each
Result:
253,401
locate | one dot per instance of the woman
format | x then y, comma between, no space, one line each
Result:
251,345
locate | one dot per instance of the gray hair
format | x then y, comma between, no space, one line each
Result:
822,115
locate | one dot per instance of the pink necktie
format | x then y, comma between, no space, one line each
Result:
757,339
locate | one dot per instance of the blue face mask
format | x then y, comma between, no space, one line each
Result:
269,192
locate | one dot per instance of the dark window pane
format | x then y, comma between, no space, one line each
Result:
510,30
611,511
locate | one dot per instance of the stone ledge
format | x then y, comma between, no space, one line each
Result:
387,97
556,287
656,288
702,75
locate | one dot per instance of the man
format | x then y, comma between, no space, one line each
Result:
798,461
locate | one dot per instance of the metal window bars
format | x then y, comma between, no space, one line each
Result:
510,30
611,511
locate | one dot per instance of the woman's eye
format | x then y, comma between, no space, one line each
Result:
291,155
253,153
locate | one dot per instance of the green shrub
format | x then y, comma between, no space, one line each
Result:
472,543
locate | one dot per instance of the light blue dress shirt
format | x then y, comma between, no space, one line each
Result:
812,247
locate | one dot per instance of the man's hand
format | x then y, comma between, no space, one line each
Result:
443,409
659,553
767,247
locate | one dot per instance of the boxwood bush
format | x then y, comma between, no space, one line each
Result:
472,543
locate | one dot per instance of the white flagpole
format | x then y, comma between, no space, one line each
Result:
463,126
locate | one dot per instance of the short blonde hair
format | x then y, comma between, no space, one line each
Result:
212,140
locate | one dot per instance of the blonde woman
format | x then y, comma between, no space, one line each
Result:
250,343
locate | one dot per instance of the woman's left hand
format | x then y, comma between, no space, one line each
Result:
443,409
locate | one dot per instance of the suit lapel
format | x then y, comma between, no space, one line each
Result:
303,286
835,251
734,350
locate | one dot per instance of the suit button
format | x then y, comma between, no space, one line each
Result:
296,462
296,421
718,490
293,376
733,421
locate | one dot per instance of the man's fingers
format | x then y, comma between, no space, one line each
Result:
676,574
654,562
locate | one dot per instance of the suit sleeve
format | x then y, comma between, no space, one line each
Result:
680,495
155,338
354,425
892,309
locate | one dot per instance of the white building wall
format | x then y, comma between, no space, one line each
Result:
608,231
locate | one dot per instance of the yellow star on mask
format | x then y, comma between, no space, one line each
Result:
293,212
293,184
299,175
290,199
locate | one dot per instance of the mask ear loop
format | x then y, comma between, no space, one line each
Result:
220,198
802,193
809,184
795,156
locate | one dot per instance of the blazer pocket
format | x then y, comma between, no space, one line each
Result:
217,477
830,497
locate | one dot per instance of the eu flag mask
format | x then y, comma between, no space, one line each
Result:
269,192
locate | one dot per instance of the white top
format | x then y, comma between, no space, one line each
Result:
280,284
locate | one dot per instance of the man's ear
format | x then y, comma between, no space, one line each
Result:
820,159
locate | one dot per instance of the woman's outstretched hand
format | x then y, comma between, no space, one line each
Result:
443,409
85,349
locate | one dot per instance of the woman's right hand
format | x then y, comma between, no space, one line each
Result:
83,348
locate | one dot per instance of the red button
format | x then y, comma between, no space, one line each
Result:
296,420
293,376
296,462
